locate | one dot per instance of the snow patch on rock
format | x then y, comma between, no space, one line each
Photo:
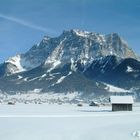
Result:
16,61
44,75
60,80
81,33
129,69
112,88
73,65
25,79
55,63
19,77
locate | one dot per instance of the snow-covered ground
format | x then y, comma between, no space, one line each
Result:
67,122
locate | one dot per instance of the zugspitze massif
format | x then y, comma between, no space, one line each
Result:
89,63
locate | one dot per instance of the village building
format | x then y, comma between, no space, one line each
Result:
121,103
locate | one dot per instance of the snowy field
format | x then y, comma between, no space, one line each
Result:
67,122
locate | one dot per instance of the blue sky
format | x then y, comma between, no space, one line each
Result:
23,23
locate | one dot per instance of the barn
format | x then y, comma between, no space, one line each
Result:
121,103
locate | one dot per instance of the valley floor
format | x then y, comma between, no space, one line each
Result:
67,122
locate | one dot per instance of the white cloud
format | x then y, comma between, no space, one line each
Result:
26,23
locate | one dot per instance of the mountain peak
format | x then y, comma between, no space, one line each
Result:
76,32
46,38
115,34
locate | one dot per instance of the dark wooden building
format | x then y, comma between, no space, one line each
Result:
121,103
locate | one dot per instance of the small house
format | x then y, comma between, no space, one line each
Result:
121,103
94,104
11,103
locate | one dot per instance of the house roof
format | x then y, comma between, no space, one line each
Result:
121,99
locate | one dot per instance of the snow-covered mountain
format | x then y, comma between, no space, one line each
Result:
31,59
80,61
71,46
